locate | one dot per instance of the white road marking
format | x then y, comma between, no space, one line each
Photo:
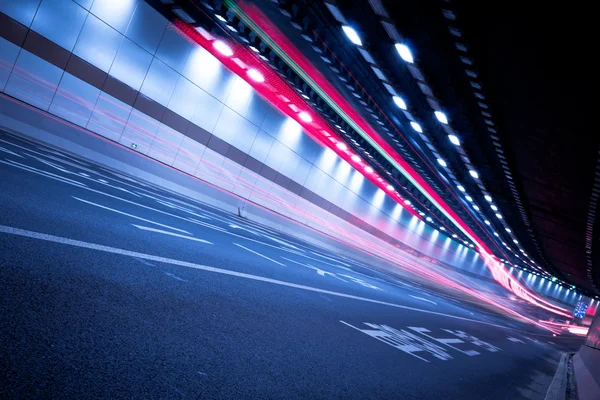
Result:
114,250
10,152
102,181
147,228
319,270
175,277
84,174
130,215
422,299
330,258
513,339
43,173
258,254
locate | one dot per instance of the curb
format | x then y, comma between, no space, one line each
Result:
560,388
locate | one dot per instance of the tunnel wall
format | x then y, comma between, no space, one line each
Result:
121,70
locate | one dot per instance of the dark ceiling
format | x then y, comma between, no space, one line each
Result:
535,65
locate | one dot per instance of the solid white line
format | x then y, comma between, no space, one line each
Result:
422,299
114,250
130,215
147,228
258,254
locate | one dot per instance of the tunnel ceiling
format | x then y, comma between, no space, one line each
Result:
513,86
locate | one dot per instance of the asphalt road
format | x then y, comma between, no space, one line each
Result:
115,288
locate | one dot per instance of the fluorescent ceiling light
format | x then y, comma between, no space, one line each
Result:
462,189
390,187
454,139
498,216
469,198
355,158
369,170
416,126
407,202
476,207
487,222
304,116
428,219
341,146
399,102
493,207
474,174
488,198
256,76
404,52
221,18
223,48
442,162
441,117
352,35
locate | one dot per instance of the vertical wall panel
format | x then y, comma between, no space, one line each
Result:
235,130
139,132
84,3
74,100
109,117
166,144
21,10
8,56
131,64
189,155
98,43
160,82
204,70
60,21
207,112
146,27
174,48
116,13
261,146
33,80
185,98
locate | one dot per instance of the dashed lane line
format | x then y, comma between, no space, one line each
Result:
149,229
130,215
423,299
258,254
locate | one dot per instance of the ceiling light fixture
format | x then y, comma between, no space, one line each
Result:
399,102
304,116
454,140
416,126
404,53
441,117
258,77
223,48
352,35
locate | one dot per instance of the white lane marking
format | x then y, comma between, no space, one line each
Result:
258,254
114,250
147,228
319,270
422,299
84,174
130,215
10,152
513,339
170,275
102,181
43,173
